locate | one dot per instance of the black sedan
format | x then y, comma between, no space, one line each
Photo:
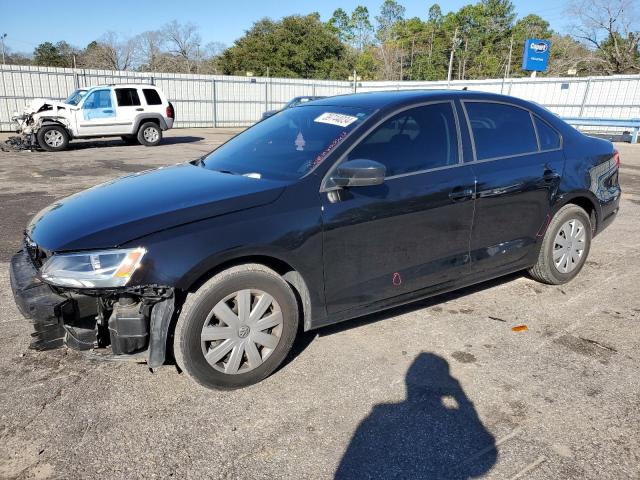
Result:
328,211
294,102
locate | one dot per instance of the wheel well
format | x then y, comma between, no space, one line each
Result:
282,268
150,119
587,205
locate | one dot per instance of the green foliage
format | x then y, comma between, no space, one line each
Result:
53,55
296,46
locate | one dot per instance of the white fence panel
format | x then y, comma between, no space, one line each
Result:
228,101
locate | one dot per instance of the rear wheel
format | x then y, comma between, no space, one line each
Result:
53,138
565,246
237,328
149,134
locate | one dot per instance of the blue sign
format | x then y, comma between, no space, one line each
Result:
536,54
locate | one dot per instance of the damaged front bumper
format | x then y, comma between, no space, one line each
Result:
129,321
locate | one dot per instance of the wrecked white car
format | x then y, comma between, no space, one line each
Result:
136,113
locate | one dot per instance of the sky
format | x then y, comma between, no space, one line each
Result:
80,22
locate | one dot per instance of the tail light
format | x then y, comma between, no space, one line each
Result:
170,111
616,157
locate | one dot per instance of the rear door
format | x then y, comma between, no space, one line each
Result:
411,232
129,106
518,163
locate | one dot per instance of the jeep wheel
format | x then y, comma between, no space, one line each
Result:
237,328
149,134
53,138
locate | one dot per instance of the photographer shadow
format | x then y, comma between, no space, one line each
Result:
434,434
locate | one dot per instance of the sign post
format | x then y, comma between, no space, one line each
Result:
535,56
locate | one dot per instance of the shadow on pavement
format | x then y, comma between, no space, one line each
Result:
117,142
434,434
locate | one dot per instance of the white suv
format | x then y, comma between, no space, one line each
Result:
135,112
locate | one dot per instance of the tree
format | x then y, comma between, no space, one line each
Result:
389,51
112,52
184,41
295,46
361,28
54,55
151,45
340,24
610,27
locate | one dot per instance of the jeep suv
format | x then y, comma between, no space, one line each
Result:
138,113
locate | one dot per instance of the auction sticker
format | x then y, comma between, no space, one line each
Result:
336,119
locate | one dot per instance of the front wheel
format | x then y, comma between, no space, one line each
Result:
53,138
565,246
237,328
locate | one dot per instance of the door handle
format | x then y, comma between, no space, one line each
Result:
139,109
107,111
460,194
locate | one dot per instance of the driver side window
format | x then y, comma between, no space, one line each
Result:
98,105
417,139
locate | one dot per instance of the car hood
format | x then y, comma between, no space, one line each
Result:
131,207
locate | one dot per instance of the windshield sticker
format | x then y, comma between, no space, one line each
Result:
336,119
320,158
300,143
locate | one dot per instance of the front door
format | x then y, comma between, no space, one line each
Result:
411,232
97,116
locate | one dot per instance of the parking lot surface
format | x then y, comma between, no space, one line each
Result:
440,388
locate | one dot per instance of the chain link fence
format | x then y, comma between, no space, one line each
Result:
228,101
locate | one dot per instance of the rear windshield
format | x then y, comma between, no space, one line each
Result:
288,144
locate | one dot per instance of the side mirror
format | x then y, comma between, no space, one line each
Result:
359,173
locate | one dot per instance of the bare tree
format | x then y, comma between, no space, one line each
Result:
112,52
184,41
611,27
151,44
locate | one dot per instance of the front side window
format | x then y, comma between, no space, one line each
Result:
287,145
500,130
98,105
417,139
549,137
127,97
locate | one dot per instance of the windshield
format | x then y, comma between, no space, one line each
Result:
75,97
287,145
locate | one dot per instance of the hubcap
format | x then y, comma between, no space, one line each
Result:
241,331
150,134
53,138
569,246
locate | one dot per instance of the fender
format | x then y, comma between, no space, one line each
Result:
143,117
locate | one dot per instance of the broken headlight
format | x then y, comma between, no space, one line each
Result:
102,269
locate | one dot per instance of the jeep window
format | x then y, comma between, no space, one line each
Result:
75,97
98,99
287,145
152,96
127,97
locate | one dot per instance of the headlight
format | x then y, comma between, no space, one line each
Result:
103,269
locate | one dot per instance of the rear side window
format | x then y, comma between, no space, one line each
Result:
152,96
549,138
418,139
127,97
500,130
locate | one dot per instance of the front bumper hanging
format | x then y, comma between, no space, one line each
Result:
47,310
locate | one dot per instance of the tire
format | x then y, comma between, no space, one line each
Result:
149,134
53,138
130,139
568,262
198,310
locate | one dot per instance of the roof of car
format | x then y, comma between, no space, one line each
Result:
125,85
389,99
